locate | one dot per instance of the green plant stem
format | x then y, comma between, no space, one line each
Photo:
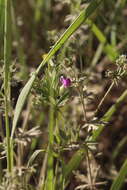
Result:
50,174
83,103
38,14
89,170
80,92
106,94
43,172
19,49
7,58
97,55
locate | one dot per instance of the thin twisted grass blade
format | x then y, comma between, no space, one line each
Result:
71,29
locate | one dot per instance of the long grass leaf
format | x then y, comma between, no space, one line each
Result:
71,29
118,182
20,102
74,163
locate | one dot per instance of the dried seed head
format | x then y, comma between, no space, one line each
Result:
121,61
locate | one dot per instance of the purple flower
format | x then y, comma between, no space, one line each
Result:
66,82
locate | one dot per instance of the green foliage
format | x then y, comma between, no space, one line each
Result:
53,129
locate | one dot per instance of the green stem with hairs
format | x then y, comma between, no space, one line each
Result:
7,58
50,174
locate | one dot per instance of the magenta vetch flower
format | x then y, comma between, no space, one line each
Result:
66,82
